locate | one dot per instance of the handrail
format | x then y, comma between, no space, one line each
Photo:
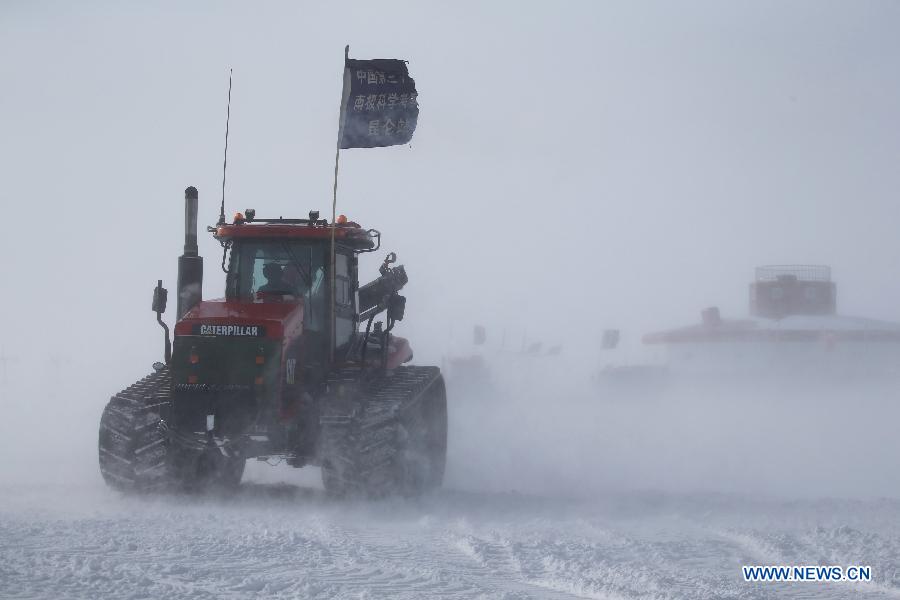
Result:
800,272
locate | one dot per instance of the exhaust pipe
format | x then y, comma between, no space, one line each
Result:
190,264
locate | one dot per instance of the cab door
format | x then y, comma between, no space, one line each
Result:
345,316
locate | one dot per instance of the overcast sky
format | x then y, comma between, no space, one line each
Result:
576,165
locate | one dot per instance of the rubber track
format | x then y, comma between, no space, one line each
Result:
132,447
360,434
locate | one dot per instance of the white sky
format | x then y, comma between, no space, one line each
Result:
576,165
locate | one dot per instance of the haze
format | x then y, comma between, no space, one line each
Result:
576,166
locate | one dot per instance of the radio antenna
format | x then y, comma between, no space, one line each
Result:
225,163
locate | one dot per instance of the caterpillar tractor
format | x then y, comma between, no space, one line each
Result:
290,365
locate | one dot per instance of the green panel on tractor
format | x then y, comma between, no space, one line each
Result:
234,379
226,361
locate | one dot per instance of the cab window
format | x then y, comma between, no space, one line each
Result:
280,271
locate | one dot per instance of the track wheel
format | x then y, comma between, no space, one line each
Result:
393,441
422,458
132,447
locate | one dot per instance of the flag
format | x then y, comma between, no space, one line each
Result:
610,339
380,106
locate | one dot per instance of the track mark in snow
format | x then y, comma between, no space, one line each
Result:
272,542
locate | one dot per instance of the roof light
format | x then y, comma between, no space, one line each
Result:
238,218
342,219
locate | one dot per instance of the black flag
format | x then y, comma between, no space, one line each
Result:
380,107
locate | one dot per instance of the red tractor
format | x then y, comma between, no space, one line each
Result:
289,365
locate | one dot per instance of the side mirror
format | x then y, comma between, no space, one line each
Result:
160,295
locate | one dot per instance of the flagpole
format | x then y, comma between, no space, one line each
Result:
337,157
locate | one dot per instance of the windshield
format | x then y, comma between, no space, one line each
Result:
280,271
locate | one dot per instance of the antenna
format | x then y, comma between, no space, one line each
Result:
225,163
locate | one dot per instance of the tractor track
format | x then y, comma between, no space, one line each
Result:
132,446
363,427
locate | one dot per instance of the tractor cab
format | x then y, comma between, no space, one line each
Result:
289,261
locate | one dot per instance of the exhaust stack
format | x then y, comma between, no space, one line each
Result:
190,264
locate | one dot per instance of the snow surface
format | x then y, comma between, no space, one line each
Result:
284,541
